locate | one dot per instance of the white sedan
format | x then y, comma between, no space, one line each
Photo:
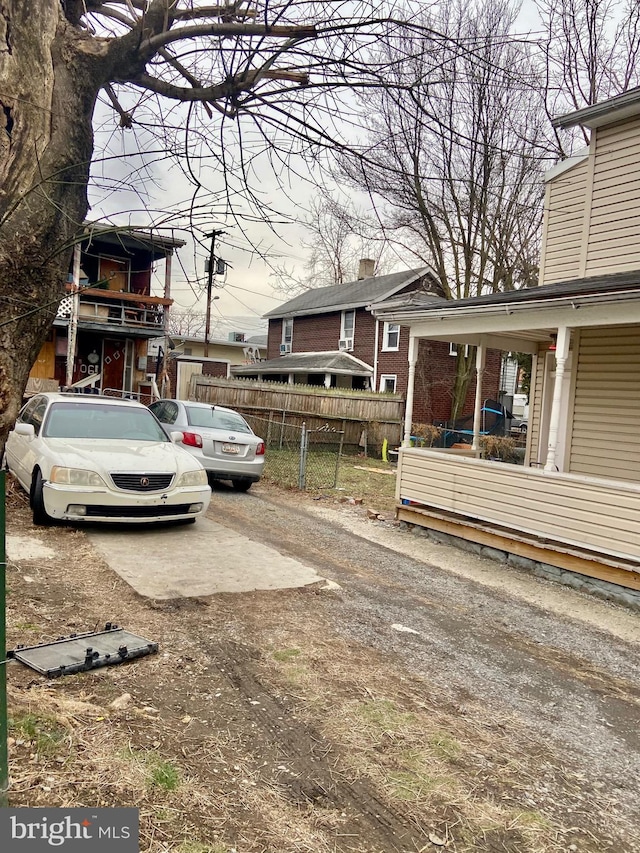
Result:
89,458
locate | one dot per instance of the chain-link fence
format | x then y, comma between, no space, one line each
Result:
297,457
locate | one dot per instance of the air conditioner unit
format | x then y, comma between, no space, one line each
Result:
285,348
345,344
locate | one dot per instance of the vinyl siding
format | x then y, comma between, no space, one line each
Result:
583,512
605,440
564,225
535,406
614,224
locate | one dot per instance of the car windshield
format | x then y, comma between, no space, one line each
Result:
216,419
83,420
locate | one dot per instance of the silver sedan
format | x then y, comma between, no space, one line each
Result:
220,438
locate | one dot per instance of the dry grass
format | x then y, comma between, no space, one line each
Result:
454,775
370,479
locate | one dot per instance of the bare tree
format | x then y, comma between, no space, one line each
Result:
182,72
591,51
455,161
190,323
337,236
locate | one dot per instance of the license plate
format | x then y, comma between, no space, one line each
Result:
230,448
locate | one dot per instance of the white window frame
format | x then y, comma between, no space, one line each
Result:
390,329
287,331
343,328
453,349
383,380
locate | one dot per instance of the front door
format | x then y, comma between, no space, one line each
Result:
113,362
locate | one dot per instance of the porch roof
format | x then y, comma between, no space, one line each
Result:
126,239
519,319
341,363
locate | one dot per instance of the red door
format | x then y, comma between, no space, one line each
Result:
112,365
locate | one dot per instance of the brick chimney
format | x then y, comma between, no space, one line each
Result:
366,268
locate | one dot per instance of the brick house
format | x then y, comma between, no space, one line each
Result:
329,336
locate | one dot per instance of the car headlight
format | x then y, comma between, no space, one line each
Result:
193,478
75,477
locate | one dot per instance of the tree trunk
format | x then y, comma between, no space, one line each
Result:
464,371
48,85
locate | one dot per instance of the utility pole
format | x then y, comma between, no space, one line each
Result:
207,325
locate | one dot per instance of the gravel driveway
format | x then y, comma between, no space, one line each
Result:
503,644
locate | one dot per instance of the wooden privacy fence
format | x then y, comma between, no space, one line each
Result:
364,417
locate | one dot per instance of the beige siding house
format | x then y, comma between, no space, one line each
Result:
575,502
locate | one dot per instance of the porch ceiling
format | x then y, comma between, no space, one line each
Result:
527,341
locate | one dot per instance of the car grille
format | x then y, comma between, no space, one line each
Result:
142,482
137,511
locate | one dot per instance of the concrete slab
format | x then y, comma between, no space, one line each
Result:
196,560
27,548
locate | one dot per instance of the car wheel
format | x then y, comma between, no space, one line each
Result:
40,516
241,485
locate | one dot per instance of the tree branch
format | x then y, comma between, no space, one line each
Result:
152,44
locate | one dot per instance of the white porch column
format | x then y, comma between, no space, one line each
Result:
327,380
562,353
481,360
408,412
72,331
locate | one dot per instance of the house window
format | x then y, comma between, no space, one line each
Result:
348,324
287,331
388,383
391,336
453,349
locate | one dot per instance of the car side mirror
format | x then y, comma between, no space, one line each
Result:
27,430
176,436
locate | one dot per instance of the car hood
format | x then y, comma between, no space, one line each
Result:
122,455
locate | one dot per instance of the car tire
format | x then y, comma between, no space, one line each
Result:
40,516
241,485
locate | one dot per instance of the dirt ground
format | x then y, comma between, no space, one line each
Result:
414,707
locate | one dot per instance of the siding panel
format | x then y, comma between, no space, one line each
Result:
606,414
583,512
614,231
564,225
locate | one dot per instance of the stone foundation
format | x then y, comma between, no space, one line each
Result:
598,588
